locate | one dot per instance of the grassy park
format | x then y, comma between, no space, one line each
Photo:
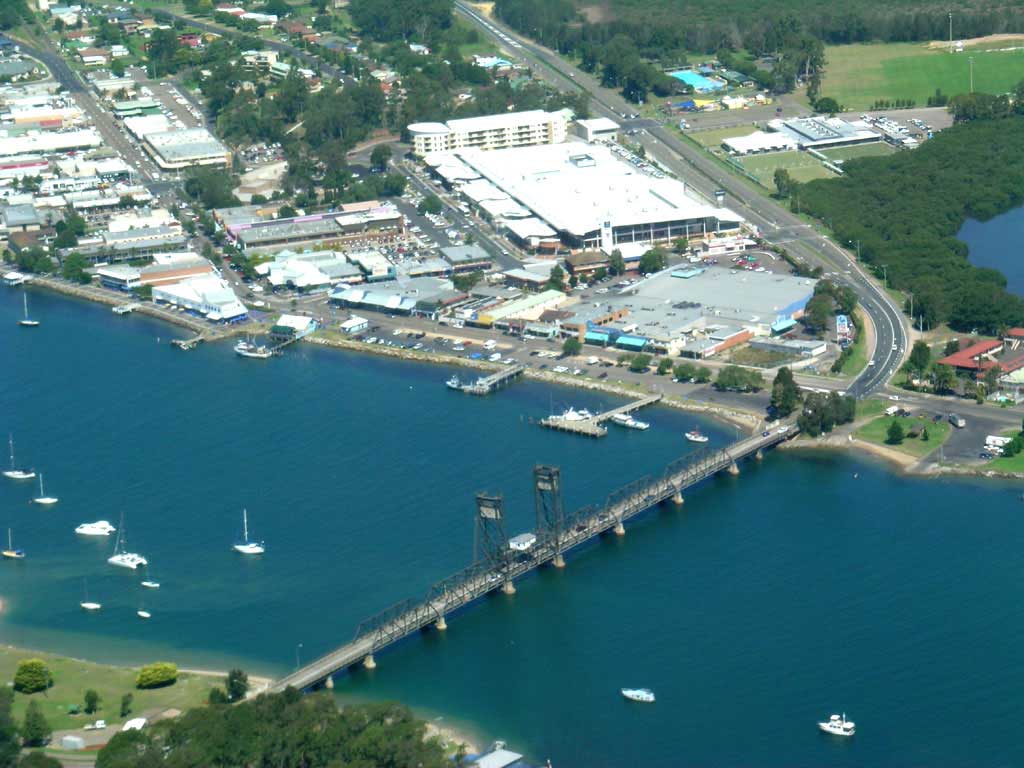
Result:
72,678
840,154
877,432
801,166
857,75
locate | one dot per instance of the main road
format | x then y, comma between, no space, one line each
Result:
705,175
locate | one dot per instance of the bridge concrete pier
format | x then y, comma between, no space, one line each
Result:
441,625
733,469
677,498
508,587
558,561
759,455
369,662
329,683
620,529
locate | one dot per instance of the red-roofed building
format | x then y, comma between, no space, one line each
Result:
977,357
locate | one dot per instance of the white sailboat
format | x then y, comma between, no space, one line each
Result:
14,473
87,604
26,322
123,559
245,546
42,498
11,553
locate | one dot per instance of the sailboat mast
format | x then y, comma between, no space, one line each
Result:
10,442
245,525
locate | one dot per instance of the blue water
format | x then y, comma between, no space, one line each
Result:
996,244
696,80
811,584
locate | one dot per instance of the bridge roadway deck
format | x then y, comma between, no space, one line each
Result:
478,579
592,427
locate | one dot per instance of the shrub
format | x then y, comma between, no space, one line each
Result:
32,676
157,675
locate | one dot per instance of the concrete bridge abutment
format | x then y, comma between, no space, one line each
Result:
369,662
508,587
620,529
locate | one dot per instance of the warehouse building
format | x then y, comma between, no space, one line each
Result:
166,268
49,142
510,129
191,147
595,200
309,271
382,223
208,296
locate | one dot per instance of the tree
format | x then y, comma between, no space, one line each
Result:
157,675
785,392
556,279
212,187
616,263
237,684
654,260
9,746
32,676
945,379
925,436
894,435
737,379
467,280
92,701
571,347
217,697
430,204
991,379
920,357
827,105
35,730
952,347
817,313
380,156
126,704
39,760
783,183
639,363
74,269
664,366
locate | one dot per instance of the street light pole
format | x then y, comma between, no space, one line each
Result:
885,274
950,31
970,61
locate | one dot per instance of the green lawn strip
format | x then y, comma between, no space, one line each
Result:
713,137
876,431
858,358
1007,464
869,408
861,150
800,165
72,678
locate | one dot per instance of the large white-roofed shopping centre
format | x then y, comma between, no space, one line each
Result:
584,192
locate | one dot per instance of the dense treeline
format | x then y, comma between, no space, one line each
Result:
710,25
905,209
286,730
13,13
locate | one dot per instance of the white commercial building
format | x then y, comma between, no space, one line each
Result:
597,129
510,129
593,199
185,149
211,297
48,142
759,141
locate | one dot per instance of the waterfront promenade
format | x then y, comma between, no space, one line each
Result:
555,535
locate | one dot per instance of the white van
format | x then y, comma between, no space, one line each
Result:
490,344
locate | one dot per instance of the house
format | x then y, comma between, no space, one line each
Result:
190,40
93,57
976,358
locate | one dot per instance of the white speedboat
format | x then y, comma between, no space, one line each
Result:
643,695
11,553
571,414
123,559
14,473
99,528
150,584
42,498
454,383
253,350
144,614
838,725
696,436
245,546
25,322
625,420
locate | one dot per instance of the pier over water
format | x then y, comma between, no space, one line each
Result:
496,565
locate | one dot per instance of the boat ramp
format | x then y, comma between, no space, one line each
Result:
593,426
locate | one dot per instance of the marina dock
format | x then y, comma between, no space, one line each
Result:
487,384
592,426
498,564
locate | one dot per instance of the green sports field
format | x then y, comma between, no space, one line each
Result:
712,139
862,150
858,75
801,166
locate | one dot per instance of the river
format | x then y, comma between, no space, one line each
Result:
996,244
811,584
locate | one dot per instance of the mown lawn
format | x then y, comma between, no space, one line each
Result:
712,138
862,150
876,431
858,75
801,166
866,408
72,678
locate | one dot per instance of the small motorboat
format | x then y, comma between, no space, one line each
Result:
696,436
150,584
643,695
144,614
253,350
90,606
838,725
